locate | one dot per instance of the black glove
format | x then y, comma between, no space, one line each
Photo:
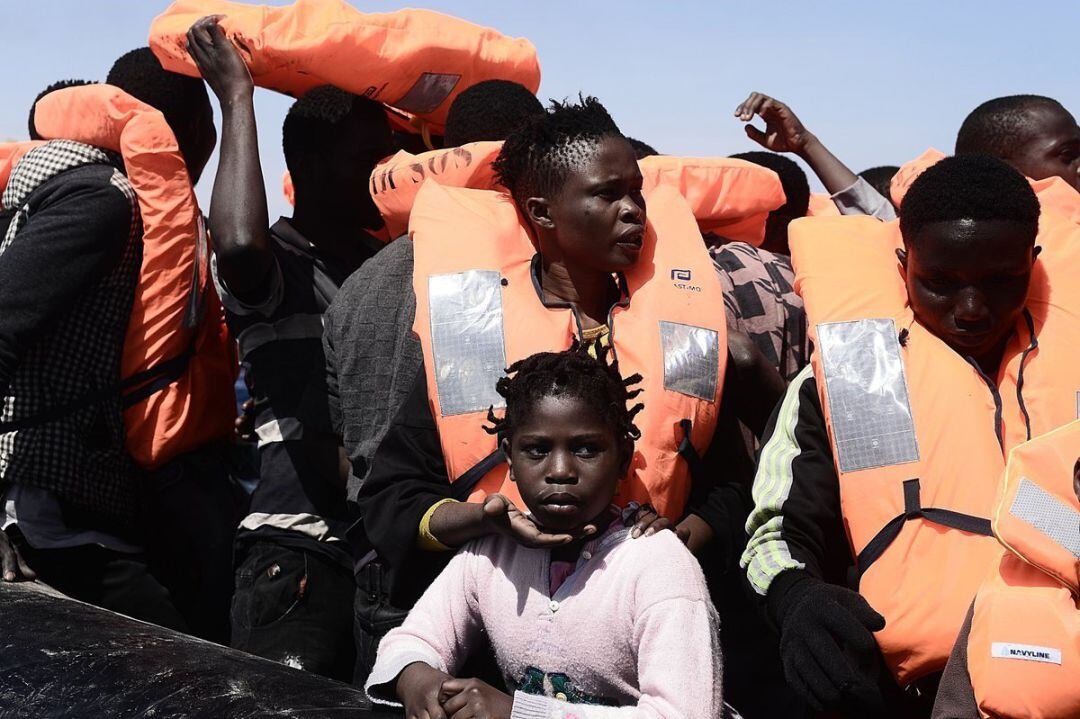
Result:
827,647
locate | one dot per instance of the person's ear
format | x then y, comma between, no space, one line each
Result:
538,210
504,445
901,254
1036,252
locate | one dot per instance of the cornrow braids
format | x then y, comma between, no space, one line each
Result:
572,373
536,159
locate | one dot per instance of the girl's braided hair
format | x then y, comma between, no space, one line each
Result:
573,373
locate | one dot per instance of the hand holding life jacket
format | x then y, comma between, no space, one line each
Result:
478,310
915,428
728,197
416,61
176,336
1024,645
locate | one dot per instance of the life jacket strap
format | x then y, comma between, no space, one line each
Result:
132,390
462,487
913,509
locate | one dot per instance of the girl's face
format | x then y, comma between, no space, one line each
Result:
566,462
596,219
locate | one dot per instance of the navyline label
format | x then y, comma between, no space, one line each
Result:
1028,652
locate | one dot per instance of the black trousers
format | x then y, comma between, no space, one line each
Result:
96,575
193,507
294,606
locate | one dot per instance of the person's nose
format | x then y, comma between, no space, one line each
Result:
632,211
561,468
971,308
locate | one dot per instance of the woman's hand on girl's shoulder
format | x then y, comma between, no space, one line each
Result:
476,699
647,522
418,688
501,516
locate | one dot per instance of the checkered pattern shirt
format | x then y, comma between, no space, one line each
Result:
760,299
80,456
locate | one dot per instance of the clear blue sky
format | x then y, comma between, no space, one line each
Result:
878,82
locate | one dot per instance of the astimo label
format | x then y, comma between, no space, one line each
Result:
1028,652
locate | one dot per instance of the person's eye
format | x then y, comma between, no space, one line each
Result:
534,451
1005,280
938,285
588,450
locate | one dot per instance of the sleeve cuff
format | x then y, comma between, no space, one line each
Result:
274,293
785,591
531,706
378,686
425,539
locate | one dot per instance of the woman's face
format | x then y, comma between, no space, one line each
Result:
596,219
566,462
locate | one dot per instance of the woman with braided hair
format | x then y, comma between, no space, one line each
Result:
566,253
592,627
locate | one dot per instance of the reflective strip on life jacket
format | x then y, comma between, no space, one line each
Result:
478,310
416,61
730,198
1038,514
1024,644
918,433
175,312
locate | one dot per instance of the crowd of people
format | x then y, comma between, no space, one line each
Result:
605,432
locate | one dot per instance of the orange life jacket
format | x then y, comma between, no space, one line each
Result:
478,310
731,198
822,205
1024,644
177,352
1055,195
10,154
416,61
915,428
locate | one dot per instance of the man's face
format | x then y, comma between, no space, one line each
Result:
967,281
1052,148
338,172
598,213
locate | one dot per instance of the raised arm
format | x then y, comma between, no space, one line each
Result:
784,132
238,217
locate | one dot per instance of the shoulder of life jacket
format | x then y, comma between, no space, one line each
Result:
415,61
478,310
915,428
1024,644
10,154
822,205
728,197
1057,198
178,362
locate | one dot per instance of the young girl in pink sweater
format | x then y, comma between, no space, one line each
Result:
605,625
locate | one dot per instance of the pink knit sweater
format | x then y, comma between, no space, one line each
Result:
632,628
